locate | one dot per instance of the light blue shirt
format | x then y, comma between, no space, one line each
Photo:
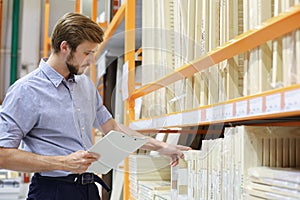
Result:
51,115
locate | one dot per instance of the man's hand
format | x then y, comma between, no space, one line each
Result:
79,161
174,151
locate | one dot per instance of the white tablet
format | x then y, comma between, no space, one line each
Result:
113,148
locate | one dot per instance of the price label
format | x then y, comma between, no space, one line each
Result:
140,125
255,106
292,100
241,108
174,120
228,111
209,114
218,112
159,122
193,117
273,103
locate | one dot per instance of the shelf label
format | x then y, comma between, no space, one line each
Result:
241,108
174,120
228,111
209,114
159,122
273,103
255,106
193,117
292,100
218,112
139,125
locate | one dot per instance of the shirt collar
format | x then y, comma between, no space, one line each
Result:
72,78
53,75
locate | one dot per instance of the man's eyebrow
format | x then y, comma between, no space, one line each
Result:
90,51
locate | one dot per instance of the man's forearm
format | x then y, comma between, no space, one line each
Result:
174,151
19,160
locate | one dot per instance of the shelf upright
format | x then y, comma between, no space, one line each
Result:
129,57
93,69
46,29
78,6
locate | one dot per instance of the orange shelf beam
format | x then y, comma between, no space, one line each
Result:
94,10
103,25
93,70
129,51
78,6
269,30
112,27
263,115
46,29
139,51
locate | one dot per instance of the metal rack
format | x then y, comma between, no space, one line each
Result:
278,106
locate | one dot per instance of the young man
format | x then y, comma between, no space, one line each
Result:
53,109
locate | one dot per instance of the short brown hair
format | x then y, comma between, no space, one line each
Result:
75,28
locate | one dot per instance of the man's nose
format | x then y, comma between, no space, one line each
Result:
91,58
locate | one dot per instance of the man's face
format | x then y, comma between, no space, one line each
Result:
78,60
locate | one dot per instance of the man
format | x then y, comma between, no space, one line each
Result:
53,109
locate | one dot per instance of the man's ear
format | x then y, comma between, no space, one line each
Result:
64,47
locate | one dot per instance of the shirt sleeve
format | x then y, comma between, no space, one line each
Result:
18,115
102,114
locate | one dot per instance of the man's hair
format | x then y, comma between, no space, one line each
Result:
75,28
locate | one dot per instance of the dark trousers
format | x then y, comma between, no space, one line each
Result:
43,188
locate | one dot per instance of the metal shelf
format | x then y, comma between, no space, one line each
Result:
275,104
269,30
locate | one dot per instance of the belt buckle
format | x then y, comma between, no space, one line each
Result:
87,178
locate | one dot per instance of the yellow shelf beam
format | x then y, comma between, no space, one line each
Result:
112,27
94,10
273,104
46,29
78,6
269,30
93,70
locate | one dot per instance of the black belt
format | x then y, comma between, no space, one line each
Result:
82,179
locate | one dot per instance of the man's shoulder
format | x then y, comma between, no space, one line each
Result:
29,80
84,79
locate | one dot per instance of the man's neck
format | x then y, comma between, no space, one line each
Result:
58,65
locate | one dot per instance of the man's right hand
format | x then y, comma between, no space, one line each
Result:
79,161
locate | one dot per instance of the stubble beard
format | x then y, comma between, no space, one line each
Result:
72,68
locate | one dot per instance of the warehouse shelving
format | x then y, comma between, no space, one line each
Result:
279,106
253,107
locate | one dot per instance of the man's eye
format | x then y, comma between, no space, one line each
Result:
86,53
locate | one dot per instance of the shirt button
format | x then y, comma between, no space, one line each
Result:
82,128
78,109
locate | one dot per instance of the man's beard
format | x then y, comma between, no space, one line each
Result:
72,68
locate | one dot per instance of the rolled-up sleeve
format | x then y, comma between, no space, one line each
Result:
102,114
18,115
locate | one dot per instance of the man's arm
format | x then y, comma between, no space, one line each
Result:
174,151
19,160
